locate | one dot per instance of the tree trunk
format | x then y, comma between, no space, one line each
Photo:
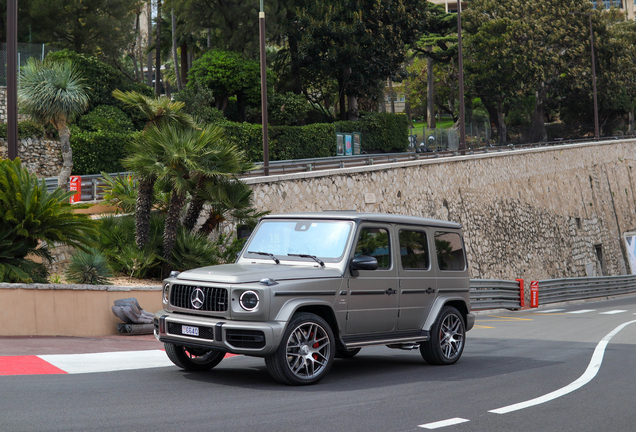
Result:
158,52
407,103
538,132
184,64
503,132
631,122
353,113
133,50
209,38
430,96
67,155
392,96
194,212
341,100
174,51
145,192
149,23
493,117
170,229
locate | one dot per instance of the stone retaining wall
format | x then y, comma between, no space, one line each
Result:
42,157
535,214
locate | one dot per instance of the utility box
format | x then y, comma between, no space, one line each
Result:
357,141
340,148
348,139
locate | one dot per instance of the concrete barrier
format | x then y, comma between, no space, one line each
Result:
67,310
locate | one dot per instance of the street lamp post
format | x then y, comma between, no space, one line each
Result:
460,65
596,128
12,79
261,25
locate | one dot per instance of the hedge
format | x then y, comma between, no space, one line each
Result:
26,129
381,132
94,152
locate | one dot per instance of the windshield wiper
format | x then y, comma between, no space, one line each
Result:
318,260
276,260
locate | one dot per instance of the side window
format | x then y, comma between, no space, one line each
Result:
414,250
450,251
375,242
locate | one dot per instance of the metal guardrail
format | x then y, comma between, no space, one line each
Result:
493,294
558,290
92,185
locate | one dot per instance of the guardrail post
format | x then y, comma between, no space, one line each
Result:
94,189
534,294
522,294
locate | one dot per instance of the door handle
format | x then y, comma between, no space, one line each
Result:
391,291
429,290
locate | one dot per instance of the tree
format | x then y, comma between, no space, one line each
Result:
158,112
55,93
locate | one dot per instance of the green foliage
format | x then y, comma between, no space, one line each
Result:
380,132
26,129
89,268
94,152
287,109
193,250
14,267
102,79
106,118
120,192
199,103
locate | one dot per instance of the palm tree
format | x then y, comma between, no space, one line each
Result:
177,156
54,92
159,112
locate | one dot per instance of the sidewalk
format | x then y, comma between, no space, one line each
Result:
45,345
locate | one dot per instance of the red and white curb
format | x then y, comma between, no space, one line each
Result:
83,363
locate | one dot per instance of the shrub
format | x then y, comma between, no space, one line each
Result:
381,132
106,118
94,152
287,109
199,103
88,268
26,129
193,250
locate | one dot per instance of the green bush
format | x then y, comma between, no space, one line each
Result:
94,152
381,132
88,268
199,103
26,129
287,109
107,118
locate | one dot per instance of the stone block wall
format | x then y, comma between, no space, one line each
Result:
535,214
40,156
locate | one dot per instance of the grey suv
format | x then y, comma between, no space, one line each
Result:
309,287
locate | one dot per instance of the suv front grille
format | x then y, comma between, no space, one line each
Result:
204,332
245,338
214,299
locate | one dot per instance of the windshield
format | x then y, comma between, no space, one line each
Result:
323,239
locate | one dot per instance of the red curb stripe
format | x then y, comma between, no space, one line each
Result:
27,365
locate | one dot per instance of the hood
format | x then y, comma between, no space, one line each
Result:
241,273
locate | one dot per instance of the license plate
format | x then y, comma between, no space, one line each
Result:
189,330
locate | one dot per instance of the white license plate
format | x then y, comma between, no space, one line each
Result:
189,330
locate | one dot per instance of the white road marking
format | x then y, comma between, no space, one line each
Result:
109,361
588,375
582,311
443,423
550,311
613,312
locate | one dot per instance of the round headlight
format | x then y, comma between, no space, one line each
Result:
249,300
166,290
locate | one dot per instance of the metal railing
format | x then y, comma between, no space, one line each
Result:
559,290
92,185
494,294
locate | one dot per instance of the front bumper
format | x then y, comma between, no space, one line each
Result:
236,337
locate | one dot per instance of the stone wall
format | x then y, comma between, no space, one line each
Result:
42,157
534,214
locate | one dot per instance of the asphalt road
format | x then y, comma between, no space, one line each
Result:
510,358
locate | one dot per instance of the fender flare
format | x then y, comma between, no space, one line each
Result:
439,303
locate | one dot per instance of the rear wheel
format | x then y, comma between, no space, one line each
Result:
193,359
305,353
448,335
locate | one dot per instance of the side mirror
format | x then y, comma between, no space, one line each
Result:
363,262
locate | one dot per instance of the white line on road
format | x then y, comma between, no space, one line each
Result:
588,375
108,361
550,311
443,423
582,311
613,312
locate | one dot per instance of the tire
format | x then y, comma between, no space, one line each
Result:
448,336
306,351
193,359
347,353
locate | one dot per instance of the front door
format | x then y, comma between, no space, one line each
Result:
373,294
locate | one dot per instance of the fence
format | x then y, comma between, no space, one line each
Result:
493,294
92,185
447,139
25,52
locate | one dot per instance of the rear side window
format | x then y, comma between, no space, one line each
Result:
450,251
375,242
414,250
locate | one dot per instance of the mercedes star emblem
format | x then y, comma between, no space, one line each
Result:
196,298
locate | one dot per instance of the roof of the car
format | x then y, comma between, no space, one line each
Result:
370,217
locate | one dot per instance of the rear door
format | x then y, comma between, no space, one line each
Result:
417,275
373,294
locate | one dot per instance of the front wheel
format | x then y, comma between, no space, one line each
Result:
305,353
448,335
193,359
